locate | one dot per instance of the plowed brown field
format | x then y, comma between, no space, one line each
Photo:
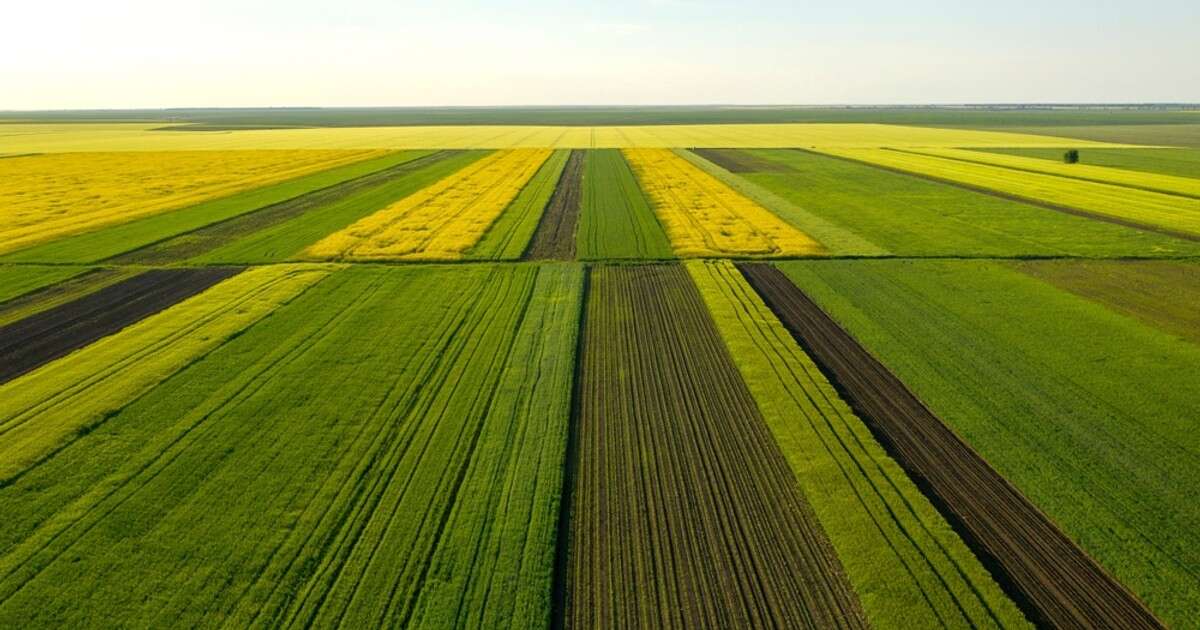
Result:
45,336
555,235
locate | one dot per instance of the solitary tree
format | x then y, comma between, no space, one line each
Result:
1071,156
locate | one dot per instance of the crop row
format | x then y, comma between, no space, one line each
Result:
305,472
63,400
684,513
906,563
1085,411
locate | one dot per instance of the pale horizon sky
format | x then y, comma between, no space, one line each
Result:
229,53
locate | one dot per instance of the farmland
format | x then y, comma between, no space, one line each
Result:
704,217
660,367
441,221
42,194
1154,211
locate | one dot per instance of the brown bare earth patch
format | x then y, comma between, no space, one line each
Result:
60,293
45,336
210,237
684,513
736,161
1054,581
554,238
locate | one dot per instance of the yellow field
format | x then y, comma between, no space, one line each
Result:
442,221
42,409
47,138
1158,210
1172,184
43,197
704,217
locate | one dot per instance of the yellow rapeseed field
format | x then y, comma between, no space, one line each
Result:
43,197
442,221
51,138
705,217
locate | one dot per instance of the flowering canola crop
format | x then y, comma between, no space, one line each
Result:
44,197
705,217
441,222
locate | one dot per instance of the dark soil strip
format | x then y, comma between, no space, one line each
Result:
684,513
1187,236
1056,583
189,244
554,238
737,161
61,291
40,338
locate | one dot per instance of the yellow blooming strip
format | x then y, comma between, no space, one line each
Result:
42,409
442,221
705,217
43,197
1143,207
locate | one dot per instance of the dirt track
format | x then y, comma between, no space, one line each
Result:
554,238
684,513
1054,581
212,236
45,336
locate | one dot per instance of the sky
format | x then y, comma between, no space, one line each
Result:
72,54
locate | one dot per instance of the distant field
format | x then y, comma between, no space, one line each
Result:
50,196
705,217
588,116
907,215
442,221
1172,135
1177,162
58,138
1153,211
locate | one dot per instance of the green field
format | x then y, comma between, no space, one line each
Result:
473,452
509,236
1177,162
910,216
17,281
616,220
902,558
1083,408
